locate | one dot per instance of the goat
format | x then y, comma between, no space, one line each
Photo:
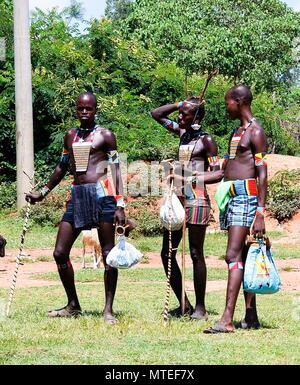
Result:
91,240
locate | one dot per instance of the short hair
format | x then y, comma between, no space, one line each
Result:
241,92
199,106
90,94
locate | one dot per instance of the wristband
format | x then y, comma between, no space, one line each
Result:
260,210
121,202
45,191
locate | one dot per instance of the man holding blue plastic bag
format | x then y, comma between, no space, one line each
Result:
241,198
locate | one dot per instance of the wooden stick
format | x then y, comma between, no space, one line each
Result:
19,256
168,288
183,268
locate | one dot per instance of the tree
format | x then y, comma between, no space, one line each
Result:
250,41
7,94
74,11
118,9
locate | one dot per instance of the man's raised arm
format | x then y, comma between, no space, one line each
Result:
161,114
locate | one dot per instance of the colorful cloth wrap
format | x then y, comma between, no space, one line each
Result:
197,205
241,204
90,204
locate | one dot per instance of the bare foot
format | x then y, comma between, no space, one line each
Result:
67,311
110,319
199,315
247,324
219,328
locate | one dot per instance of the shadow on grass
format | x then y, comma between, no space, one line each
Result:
97,313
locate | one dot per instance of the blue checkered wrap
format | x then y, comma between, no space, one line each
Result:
240,211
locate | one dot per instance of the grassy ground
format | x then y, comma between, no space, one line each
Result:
44,237
134,275
28,337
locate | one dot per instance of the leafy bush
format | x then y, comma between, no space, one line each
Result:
50,211
145,212
8,195
284,194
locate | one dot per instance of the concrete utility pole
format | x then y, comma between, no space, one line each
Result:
23,87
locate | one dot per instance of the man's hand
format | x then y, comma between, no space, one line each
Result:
119,217
34,197
259,227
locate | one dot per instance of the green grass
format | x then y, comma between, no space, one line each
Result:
29,337
134,275
44,237
36,237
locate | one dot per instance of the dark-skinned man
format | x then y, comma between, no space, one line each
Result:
245,181
197,152
88,150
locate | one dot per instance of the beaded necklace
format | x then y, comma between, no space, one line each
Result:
236,138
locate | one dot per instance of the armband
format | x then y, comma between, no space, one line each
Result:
213,161
260,159
171,125
65,157
120,201
113,157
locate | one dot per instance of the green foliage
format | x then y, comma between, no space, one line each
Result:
131,76
50,210
145,212
118,9
250,41
8,195
284,194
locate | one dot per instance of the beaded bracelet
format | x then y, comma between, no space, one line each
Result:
45,191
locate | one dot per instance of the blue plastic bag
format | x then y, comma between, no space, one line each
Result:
261,275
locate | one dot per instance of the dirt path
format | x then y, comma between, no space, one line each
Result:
290,278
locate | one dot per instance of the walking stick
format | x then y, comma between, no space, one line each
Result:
18,259
168,288
183,267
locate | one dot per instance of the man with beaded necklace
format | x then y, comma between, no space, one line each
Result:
87,152
242,202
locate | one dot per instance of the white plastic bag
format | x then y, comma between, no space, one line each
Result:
171,202
123,255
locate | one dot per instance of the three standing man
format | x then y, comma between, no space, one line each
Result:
89,150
